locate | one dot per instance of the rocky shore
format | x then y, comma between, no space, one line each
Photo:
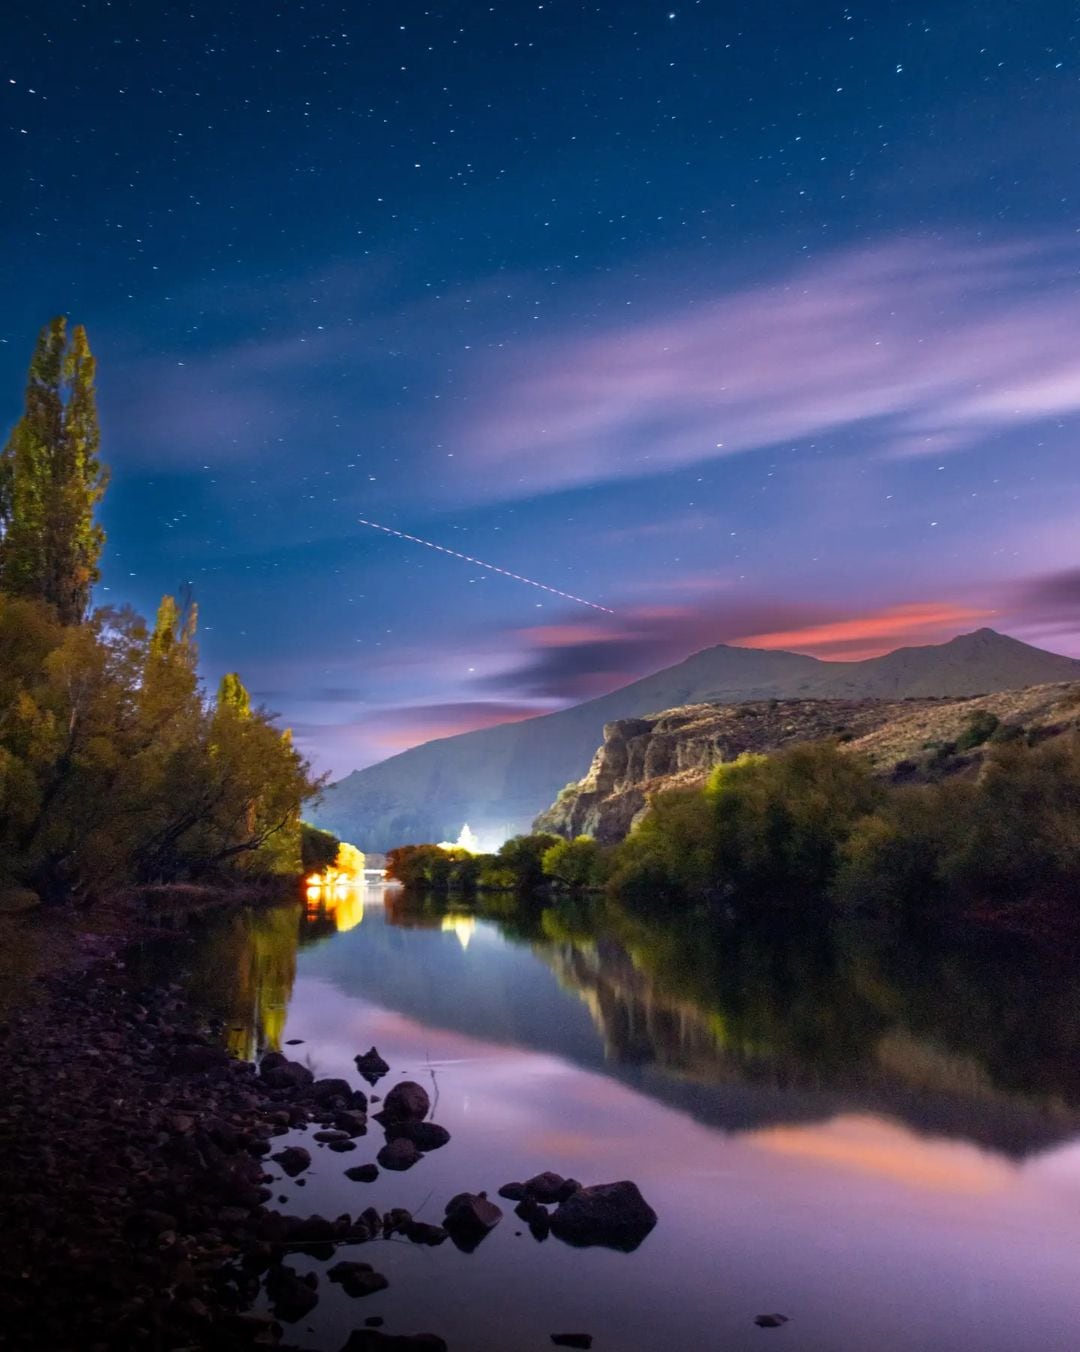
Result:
134,1170
136,1158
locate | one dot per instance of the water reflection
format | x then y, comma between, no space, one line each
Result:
745,1029
863,1135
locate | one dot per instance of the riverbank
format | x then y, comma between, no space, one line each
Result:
133,1164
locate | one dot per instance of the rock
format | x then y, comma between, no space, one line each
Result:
513,1192
470,1217
371,1063
572,1339
352,1121
612,1214
325,1091
399,1154
294,1159
406,1102
530,1211
342,1146
293,1296
196,1059
285,1074
373,1340
422,1233
332,1135
310,1230
546,1187
362,1173
771,1321
395,1221
424,1135
357,1279
293,1041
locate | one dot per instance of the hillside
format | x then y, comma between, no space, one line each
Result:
678,748
499,778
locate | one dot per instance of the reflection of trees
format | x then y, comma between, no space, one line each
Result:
244,971
953,1038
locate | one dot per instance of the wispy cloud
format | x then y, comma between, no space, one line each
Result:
927,347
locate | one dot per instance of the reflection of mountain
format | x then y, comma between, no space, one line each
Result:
738,1029
769,1058
743,1032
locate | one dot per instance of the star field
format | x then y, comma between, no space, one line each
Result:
742,320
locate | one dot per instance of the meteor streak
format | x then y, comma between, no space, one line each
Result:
491,567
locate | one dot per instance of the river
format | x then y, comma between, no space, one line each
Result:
877,1138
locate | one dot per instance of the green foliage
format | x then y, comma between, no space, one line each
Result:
51,480
114,769
318,848
779,821
981,726
524,857
672,851
576,863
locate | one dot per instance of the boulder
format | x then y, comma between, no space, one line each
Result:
424,1135
470,1217
399,1154
283,1073
352,1121
572,1339
357,1279
771,1321
294,1159
370,1063
406,1102
513,1192
612,1214
362,1173
374,1340
546,1187
325,1091
422,1233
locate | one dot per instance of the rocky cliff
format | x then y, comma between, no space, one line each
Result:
498,779
679,747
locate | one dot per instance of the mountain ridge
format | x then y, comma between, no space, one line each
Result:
498,779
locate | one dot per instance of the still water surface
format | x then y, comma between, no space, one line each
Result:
879,1141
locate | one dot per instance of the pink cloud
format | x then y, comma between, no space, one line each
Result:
870,635
927,347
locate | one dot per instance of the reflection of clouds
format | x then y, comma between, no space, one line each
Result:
869,1145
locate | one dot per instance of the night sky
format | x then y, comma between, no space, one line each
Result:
752,322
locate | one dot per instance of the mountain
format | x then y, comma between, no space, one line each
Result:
499,779
908,739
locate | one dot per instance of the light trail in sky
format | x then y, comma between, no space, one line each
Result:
491,567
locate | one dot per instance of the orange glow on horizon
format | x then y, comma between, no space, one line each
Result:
894,627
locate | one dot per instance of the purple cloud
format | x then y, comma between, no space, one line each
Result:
928,347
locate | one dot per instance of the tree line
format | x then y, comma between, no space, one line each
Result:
116,767
813,827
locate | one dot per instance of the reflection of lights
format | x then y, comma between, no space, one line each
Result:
339,889
464,926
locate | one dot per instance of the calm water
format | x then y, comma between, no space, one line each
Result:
881,1141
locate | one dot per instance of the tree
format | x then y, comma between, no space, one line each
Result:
51,480
574,863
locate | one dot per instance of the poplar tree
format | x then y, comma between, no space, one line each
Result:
51,480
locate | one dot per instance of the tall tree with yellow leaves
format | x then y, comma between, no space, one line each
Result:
51,480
